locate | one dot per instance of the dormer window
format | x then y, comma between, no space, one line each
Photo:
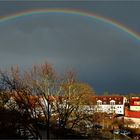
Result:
99,102
112,102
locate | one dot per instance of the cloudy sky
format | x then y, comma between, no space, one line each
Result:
102,55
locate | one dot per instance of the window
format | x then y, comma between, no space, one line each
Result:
99,102
112,102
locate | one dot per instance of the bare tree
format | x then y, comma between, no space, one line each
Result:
42,79
14,84
39,91
71,100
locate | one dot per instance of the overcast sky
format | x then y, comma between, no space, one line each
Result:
103,56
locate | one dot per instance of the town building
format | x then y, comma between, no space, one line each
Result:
110,104
132,113
134,103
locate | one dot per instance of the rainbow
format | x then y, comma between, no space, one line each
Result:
77,12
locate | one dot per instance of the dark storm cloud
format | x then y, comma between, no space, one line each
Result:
103,56
125,12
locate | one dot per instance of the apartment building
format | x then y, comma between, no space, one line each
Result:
110,104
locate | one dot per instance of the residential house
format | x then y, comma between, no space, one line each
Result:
110,104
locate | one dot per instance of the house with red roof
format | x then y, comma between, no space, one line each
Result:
110,104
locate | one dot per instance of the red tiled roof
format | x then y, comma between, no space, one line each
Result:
135,101
107,99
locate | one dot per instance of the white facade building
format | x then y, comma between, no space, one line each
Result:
110,104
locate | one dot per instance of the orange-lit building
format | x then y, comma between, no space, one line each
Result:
134,110
130,113
132,116
133,113
135,103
